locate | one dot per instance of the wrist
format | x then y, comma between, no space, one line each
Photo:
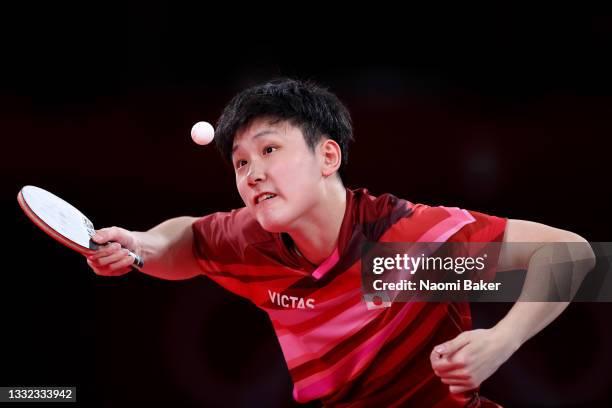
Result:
507,336
138,245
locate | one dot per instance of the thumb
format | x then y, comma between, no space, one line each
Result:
106,234
453,345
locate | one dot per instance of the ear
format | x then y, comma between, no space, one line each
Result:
331,156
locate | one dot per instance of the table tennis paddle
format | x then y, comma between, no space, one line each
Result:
62,221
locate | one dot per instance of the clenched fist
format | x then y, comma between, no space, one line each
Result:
464,362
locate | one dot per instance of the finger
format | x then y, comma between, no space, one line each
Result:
106,250
103,235
454,389
453,345
93,265
434,357
122,264
443,363
109,234
454,381
108,271
114,257
448,369
437,358
456,375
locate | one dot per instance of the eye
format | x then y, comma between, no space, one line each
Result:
240,163
270,149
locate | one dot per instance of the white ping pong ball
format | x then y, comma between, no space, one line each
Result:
202,133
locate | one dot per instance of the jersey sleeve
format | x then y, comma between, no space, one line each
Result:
484,235
484,228
218,246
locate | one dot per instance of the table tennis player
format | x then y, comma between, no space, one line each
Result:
294,251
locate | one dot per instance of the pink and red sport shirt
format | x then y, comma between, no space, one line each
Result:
337,349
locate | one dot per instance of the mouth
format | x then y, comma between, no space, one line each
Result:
263,197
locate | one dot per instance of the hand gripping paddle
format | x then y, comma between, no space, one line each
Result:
62,221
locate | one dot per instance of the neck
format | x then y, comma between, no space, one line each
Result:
317,236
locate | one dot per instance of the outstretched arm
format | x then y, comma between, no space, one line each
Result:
167,250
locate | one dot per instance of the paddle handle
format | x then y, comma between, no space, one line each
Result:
138,262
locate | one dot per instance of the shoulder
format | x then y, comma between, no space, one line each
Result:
237,228
481,228
369,207
403,220
383,215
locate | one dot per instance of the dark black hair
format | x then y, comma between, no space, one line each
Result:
305,104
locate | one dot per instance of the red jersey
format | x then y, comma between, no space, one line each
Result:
338,349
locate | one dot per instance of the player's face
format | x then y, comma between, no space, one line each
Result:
278,177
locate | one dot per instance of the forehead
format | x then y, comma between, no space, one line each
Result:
264,126
258,125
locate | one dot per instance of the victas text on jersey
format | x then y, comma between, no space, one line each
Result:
287,301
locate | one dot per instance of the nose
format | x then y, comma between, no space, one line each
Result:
256,173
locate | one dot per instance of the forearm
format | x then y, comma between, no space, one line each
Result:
555,272
525,319
167,249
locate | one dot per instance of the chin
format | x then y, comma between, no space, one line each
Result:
272,224
273,227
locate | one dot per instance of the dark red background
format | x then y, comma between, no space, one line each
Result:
508,116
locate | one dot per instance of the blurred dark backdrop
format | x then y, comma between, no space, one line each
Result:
508,115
